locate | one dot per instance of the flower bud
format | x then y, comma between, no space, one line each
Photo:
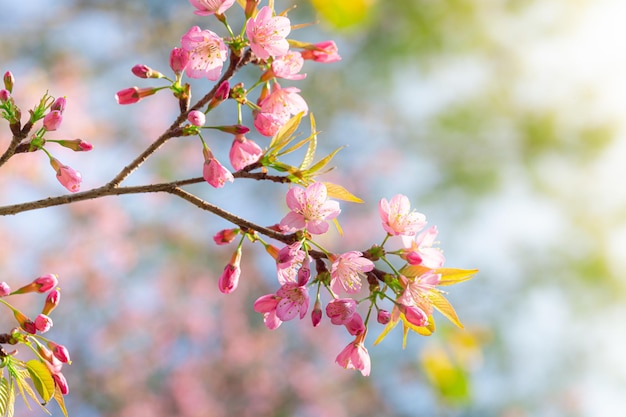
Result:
60,352
196,118
67,176
144,71
52,301
59,104
215,173
41,284
179,58
222,93
225,236
383,316
9,80
52,120
414,315
133,94
25,323
61,382
229,280
43,323
5,95
316,314
324,52
233,129
244,152
4,289
77,145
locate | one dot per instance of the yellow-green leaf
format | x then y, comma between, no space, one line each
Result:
412,271
322,163
283,137
339,192
5,397
392,323
338,226
345,13
58,397
310,152
42,379
444,307
451,276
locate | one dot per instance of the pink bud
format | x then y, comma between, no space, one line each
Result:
222,93
144,71
414,315
9,80
52,301
179,58
355,325
229,280
77,145
59,104
225,236
5,95
196,118
215,173
133,94
43,323
61,382
60,352
325,52
47,282
383,316
4,289
68,177
316,314
412,257
53,120
25,323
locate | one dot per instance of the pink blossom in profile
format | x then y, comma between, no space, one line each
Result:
324,52
341,310
268,124
215,173
294,301
69,178
355,325
52,120
266,305
209,7
179,58
224,237
60,352
355,356
244,152
397,217
207,53
420,251
268,34
61,382
288,66
346,272
59,104
310,209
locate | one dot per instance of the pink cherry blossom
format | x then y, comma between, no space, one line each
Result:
325,52
277,108
341,310
207,53
61,382
355,325
215,173
310,209
294,301
355,356
288,66
225,236
244,152
289,261
346,271
417,289
266,305
267,34
397,217
59,104
60,352
420,250
68,177
383,316
209,7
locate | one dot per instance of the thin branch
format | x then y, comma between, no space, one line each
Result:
10,151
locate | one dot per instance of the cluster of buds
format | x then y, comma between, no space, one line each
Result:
51,111
46,369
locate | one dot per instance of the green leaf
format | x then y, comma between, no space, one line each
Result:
5,397
283,137
338,192
323,162
42,379
310,152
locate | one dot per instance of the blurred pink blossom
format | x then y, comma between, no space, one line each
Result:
209,7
